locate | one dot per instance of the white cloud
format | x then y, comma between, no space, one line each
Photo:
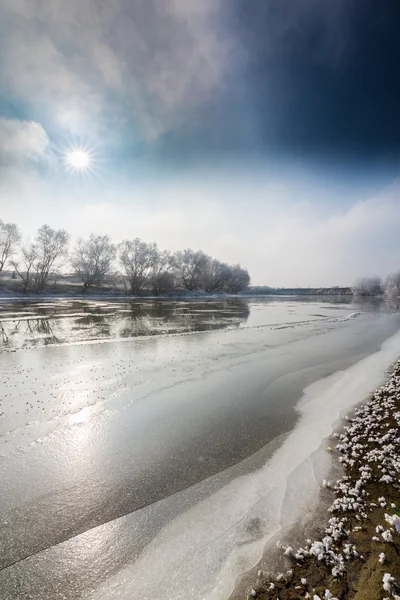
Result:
161,60
21,141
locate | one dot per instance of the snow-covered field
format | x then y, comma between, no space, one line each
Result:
160,467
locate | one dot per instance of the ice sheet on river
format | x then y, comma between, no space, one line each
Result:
200,554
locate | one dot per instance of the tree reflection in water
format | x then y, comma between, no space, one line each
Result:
72,321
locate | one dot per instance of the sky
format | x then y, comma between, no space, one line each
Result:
264,132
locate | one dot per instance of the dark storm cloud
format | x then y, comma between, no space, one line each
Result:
323,75
315,77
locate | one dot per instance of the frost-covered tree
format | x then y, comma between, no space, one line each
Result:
25,266
138,260
216,275
9,238
44,256
162,277
368,286
392,285
189,268
52,251
239,279
143,266
93,259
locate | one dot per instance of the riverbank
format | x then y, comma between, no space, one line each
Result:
69,287
357,556
69,292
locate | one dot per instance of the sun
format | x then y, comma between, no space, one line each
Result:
78,160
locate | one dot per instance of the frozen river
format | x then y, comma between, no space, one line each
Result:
150,449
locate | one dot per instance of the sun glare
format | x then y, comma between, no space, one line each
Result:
78,159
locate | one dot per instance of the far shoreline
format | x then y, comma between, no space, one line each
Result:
165,298
190,296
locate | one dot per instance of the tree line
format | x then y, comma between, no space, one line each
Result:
376,286
141,267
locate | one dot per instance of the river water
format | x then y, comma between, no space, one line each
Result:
147,449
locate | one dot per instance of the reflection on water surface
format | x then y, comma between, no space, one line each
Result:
29,324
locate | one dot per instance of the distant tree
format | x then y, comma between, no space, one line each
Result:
189,267
216,275
261,290
392,285
93,259
239,279
44,256
368,286
162,277
9,238
144,266
52,251
138,260
26,271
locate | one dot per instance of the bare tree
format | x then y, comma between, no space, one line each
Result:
392,285
239,279
9,238
189,267
216,275
27,271
52,251
368,286
138,259
44,256
144,266
162,278
93,259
